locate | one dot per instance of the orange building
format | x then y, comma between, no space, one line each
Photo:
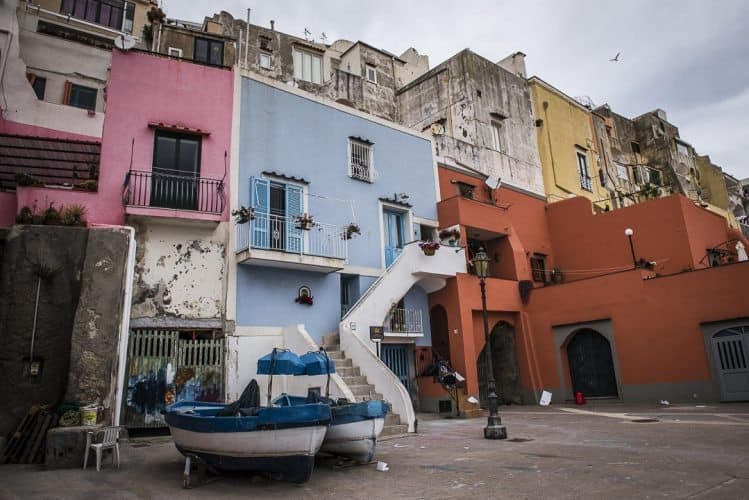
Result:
573,307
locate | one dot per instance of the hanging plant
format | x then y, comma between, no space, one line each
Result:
304,222
243,214
304,296
429,247
525,287
352,229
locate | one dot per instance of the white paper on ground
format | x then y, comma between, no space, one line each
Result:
545,398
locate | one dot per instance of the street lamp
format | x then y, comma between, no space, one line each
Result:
629,234
494,428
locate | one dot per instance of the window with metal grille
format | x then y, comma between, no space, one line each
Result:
360,160
538,267
586,182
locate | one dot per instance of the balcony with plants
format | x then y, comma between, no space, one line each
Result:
290,241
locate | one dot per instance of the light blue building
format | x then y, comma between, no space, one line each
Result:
312,171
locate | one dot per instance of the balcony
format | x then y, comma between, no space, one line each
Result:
279,241
490,220
161,194
404,323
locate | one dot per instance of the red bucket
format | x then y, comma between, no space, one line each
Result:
579,398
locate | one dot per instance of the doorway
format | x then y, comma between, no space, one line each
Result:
504,364
397,357
440,333
591,365
731,352
395,235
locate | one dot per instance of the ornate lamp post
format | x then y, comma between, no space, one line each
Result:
494,428
629,234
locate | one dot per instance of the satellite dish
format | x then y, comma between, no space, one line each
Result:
493,182
124,42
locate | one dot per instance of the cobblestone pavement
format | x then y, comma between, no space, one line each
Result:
594,451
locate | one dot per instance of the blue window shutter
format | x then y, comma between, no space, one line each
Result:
294,236
260,200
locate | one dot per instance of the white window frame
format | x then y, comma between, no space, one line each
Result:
356,170
622,172
496,129
265,57
583,169
174,52
373,69
301,72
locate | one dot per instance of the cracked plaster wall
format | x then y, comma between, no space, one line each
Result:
457,102
179,271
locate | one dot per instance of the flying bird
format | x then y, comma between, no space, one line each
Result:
616,57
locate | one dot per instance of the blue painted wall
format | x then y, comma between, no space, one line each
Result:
295,136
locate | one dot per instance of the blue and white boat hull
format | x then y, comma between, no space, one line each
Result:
355,440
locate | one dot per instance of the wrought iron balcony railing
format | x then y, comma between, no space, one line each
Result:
405,322
285,233
169,190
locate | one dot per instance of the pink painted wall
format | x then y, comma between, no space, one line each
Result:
7,208
145,88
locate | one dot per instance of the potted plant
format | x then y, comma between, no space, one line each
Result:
243,214
23,179
305,222
429,247
352,229
304,296
89,185
451,235
72,215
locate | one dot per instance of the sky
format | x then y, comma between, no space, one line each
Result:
689,58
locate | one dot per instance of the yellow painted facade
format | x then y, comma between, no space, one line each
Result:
565,131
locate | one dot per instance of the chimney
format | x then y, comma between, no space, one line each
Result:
272,25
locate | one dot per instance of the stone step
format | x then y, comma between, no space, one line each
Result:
331,339
331,348
361,389
368,397
355,380
347,371
343,363
392,419
336,355
394,430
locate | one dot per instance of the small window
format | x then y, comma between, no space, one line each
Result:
115,14
209,51
371,73
682,148
39,84
582,167
80,96
174,52
307,66
654,176
635,147
465,190
265,60
637,174
602,177
361,160
538,267
621,172
497,135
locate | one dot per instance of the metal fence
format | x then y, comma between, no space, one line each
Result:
169,190
286,234
405,322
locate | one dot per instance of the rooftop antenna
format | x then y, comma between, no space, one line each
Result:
307,33
324,37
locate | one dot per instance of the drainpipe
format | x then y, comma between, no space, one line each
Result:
6,53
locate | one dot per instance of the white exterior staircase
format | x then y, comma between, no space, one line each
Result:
411,268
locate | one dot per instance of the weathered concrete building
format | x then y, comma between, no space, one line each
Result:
480,116
352,73
201,43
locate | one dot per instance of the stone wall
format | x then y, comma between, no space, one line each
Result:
80,272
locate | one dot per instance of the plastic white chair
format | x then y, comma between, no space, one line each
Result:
110,440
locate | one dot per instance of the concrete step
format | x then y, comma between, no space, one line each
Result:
331,339
331,348
392,419
347,371
336,355
361,389
368,397
355,380
343,363
394,430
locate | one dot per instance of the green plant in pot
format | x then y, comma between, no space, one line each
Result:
451,235
72,215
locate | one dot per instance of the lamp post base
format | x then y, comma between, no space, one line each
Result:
494,429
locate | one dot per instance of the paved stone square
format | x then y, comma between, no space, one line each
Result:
593,451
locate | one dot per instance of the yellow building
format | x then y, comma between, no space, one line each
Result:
569,156
713,193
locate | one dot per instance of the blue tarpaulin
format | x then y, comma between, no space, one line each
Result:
282,362
317,363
